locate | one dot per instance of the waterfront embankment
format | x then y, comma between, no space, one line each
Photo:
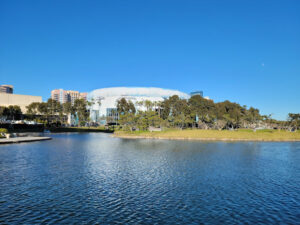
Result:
20,128
214,135
23,128
22,139
80,129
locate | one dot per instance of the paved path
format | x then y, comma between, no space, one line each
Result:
22,139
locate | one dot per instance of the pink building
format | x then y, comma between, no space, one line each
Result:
83,95
64,96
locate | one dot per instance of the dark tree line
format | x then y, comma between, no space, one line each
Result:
12,112
196,112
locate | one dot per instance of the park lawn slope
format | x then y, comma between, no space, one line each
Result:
215,135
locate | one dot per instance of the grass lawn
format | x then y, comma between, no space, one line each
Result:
225,135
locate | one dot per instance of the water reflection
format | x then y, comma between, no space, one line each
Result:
94,178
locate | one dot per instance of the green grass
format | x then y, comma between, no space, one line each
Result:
226,135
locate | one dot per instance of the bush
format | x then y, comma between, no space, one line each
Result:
3,130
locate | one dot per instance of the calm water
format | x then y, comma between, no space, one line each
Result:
93,178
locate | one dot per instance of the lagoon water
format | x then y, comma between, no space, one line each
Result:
96,179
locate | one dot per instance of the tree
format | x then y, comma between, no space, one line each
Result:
126,111
32,109
294,120
53,107
11,112
127,121
43,108
68,108
124,107
203,109
253,115
3,111
80,108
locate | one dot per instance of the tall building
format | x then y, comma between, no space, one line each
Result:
83,95
59,95
64,96
8,89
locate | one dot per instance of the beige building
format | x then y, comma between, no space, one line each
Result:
20,100
64,96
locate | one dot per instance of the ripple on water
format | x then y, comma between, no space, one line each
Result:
92,178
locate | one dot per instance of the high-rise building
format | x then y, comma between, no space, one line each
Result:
83,95
59,95
64,96
8,89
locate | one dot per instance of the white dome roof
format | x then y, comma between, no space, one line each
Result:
136,91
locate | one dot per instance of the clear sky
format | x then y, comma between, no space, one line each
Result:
244,51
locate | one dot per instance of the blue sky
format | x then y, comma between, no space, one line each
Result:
244,51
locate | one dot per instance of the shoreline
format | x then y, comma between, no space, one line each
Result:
16,140
79,129
204,139
213,135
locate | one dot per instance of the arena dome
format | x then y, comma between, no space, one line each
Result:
105,99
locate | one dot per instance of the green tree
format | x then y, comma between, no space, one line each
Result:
126,111
294,120
32,109
80,108
124,107
203,109
13,112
